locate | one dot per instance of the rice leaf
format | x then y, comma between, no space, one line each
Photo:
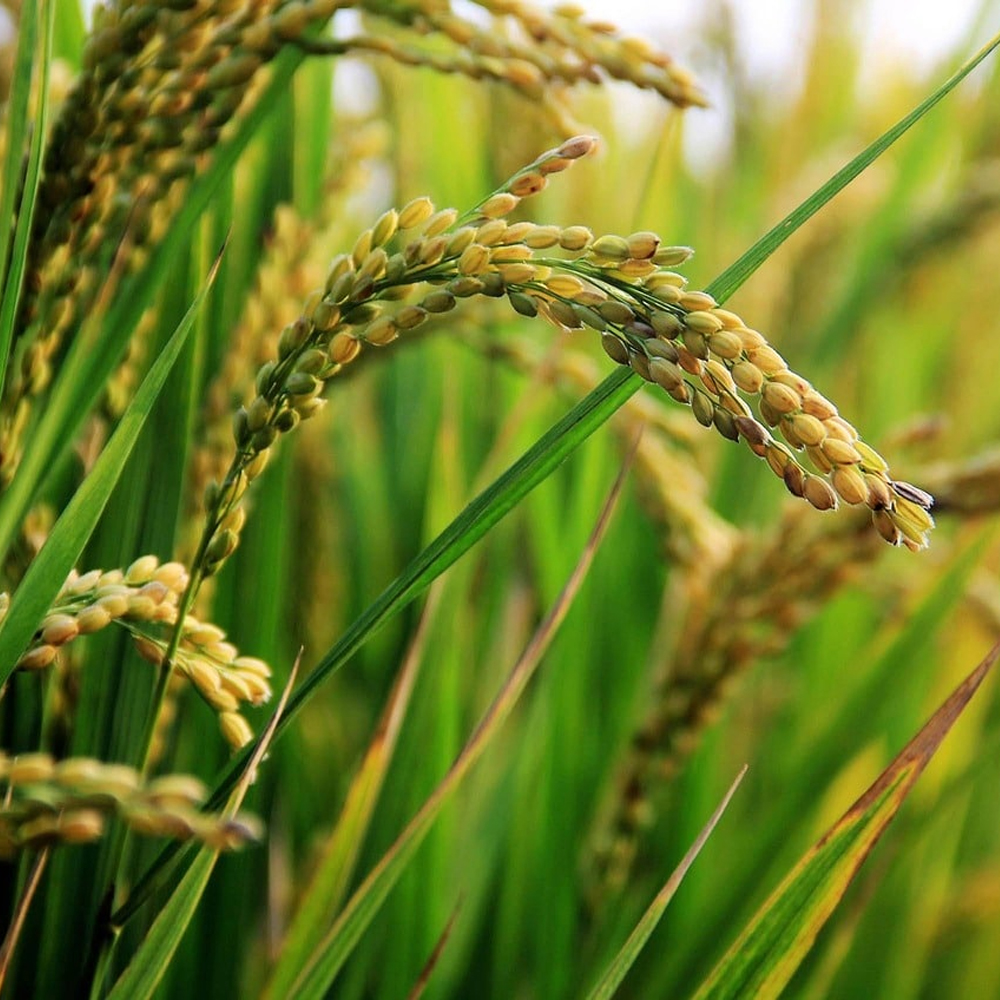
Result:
623,961
765,956
317,975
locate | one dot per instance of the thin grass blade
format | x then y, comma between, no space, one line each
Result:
322,899
623,961
318,974
49,569
734,275
766,955
435,956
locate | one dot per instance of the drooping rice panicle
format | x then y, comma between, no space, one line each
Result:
143,599
48,802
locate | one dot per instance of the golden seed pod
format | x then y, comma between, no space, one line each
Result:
565,285
79,826
681,393
516,232
58,629
385,228
755,435
517,273
729,320
768,360
474,259
795,478
362,247
464,286
750,339
141,570
780,398
150,651
491,233
819,459
92,619
115,605
642,245
879,493
818,406
542,237
222,546
702,322
672,256
610,248
432,251
30,768
777,458
631,270
871,460
717,378
410,317
697,302
415,213
81,584
77,771
528,184
579,145
460,240
575,238
37,658
886,527
235,729
688,361
344,348
840,452
613,346
498,205
176,790
381,332
849,482
508,254
372,267
808,430
440,221
665,373
820,493
725,344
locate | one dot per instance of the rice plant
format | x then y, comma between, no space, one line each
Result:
392,602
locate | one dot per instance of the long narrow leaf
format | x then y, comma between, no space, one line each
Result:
318,974
326,889
624,960
766,955
69,535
